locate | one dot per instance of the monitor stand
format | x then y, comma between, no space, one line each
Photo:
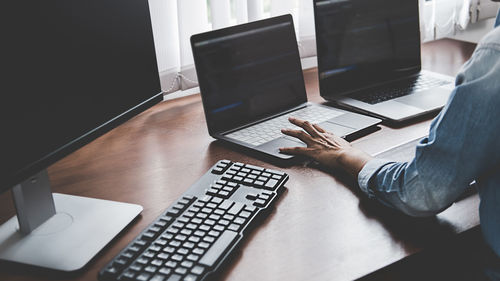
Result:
59,231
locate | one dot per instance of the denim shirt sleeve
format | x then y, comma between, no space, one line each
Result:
463,143
497,22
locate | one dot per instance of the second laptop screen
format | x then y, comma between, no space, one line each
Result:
365,42
248,72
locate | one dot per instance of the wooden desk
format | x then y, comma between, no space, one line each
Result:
322,228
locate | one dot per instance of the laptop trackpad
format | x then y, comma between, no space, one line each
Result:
336,129
274,145
430,99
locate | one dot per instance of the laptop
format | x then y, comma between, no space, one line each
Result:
369,59
251,81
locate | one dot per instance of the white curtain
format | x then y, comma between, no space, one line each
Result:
174,21
442,18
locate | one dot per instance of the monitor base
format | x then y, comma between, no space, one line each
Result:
68,240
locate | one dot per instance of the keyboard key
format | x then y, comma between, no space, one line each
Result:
198,251
260,203
217,170
157,262
219,227
226,205
263,196
143,277
239,220
169,250
174,277
128,275
254,167
276,177
215,252
193,257
158,277
228,217
258,183
214,233
203,245
181,251
236,208
188,245
190,277
198,270
234,227
177,257
171,264
251,196
194,239
217,200
271,184
150,269
163,256
165,271
245,214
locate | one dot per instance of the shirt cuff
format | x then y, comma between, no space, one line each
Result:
370,169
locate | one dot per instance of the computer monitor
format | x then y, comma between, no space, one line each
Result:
72,70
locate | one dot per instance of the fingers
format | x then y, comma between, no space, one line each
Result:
308,127
301,135
318,128
297,150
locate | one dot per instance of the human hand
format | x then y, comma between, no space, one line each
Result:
325,147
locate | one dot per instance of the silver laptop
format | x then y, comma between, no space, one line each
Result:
251,81
369,59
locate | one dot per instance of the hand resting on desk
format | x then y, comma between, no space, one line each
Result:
325,147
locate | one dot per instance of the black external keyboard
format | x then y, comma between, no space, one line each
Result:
194,236
399,89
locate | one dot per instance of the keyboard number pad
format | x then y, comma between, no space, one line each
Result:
254,176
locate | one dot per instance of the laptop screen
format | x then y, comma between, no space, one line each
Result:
365,42
248,72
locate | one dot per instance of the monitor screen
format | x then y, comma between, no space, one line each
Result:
365,42
248,72
74,68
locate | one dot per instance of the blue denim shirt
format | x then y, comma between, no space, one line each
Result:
463,145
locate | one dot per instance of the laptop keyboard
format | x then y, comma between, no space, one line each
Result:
271,129
423,82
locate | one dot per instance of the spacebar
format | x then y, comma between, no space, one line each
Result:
218,248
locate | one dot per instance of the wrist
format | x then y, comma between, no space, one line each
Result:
352,160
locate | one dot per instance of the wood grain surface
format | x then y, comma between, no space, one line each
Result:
323,228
